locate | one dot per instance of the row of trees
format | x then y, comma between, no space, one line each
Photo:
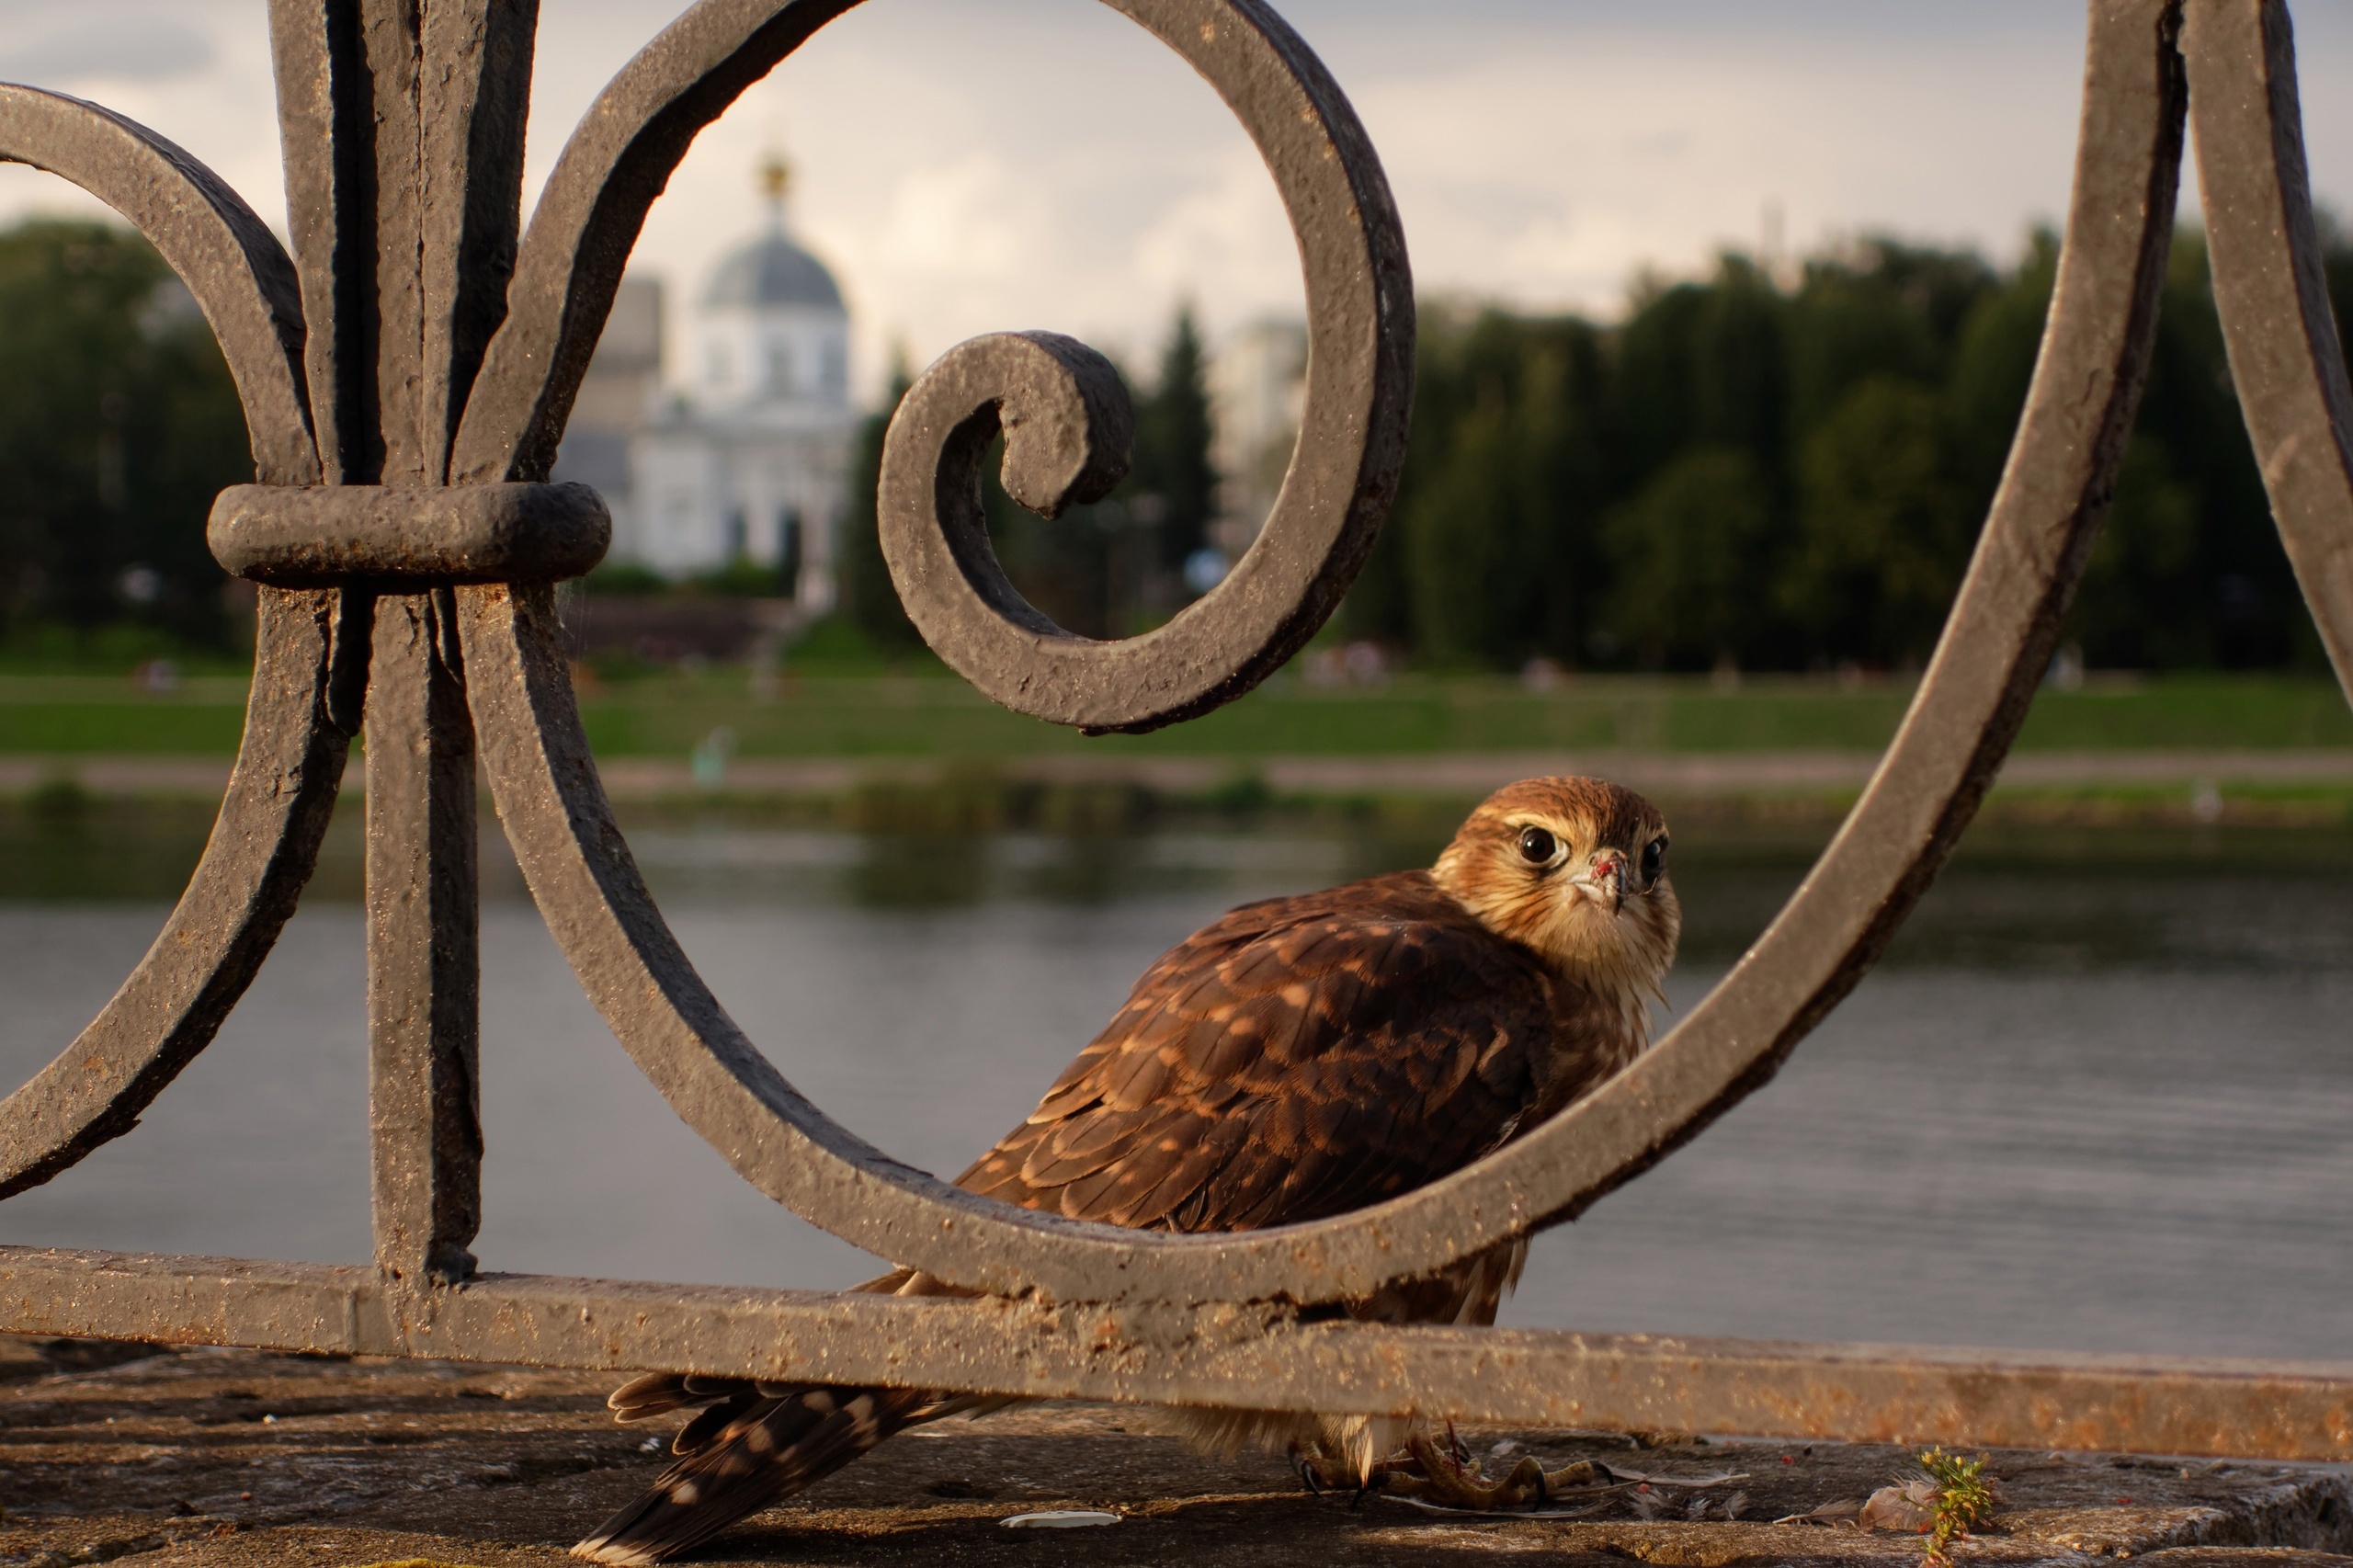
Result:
1776,473
1765,474
1790,477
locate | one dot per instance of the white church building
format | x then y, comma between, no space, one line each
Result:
744,456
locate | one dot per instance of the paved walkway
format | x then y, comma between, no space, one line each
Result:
233,1460
1666,774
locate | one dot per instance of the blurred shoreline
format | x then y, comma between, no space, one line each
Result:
2305,785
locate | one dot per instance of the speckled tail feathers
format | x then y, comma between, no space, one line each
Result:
756,1443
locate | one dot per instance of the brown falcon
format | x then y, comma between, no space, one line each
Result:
1296,1059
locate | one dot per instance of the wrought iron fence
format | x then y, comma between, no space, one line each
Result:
406,377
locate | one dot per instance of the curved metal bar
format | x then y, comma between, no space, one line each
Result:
2272,291
1343,473
1996,646
619,158
587,888
226,256
1360,388
263,847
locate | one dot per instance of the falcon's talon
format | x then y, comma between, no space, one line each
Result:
1294,1059
1460,1484
1462,1449
1455,1482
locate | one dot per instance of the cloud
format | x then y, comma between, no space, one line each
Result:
1222,239
970,168
1549,176
127,47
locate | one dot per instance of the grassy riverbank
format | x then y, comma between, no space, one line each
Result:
668,714
905,843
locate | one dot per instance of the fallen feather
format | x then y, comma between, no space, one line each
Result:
1060,1519
1426,1506
1911,1507
1565,1484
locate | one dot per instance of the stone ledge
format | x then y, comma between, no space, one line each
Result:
228,1458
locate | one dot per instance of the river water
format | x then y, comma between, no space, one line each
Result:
2100,1096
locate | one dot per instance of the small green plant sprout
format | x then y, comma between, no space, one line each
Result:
1965,1498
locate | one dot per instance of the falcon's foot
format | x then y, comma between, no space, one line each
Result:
1451,1479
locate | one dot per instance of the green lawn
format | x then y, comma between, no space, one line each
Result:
665,715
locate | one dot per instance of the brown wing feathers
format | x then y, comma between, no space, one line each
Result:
1296,1059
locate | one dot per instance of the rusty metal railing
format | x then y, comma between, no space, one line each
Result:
406,378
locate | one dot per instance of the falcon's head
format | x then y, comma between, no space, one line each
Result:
1576,869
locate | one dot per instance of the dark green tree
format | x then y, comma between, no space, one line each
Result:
1172,484
868,598
1740,373
118,423
1659,376
2131,610
1874,405
1883,531
1882,310
1497,544
1474,545
1689,552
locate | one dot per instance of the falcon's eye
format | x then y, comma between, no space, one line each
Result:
1536,845
1654,860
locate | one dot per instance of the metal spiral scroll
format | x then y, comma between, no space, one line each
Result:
403,440
281,790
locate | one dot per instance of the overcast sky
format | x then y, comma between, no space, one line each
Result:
969,165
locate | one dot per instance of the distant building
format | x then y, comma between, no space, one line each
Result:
747,460
1257,392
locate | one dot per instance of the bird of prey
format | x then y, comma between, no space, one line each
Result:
1296,1059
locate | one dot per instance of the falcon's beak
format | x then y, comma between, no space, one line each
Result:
1604,880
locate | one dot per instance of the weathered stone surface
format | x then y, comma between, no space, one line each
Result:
231,1459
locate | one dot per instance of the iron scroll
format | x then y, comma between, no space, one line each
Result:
281,790
417,359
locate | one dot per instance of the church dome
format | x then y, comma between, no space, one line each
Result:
772,271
